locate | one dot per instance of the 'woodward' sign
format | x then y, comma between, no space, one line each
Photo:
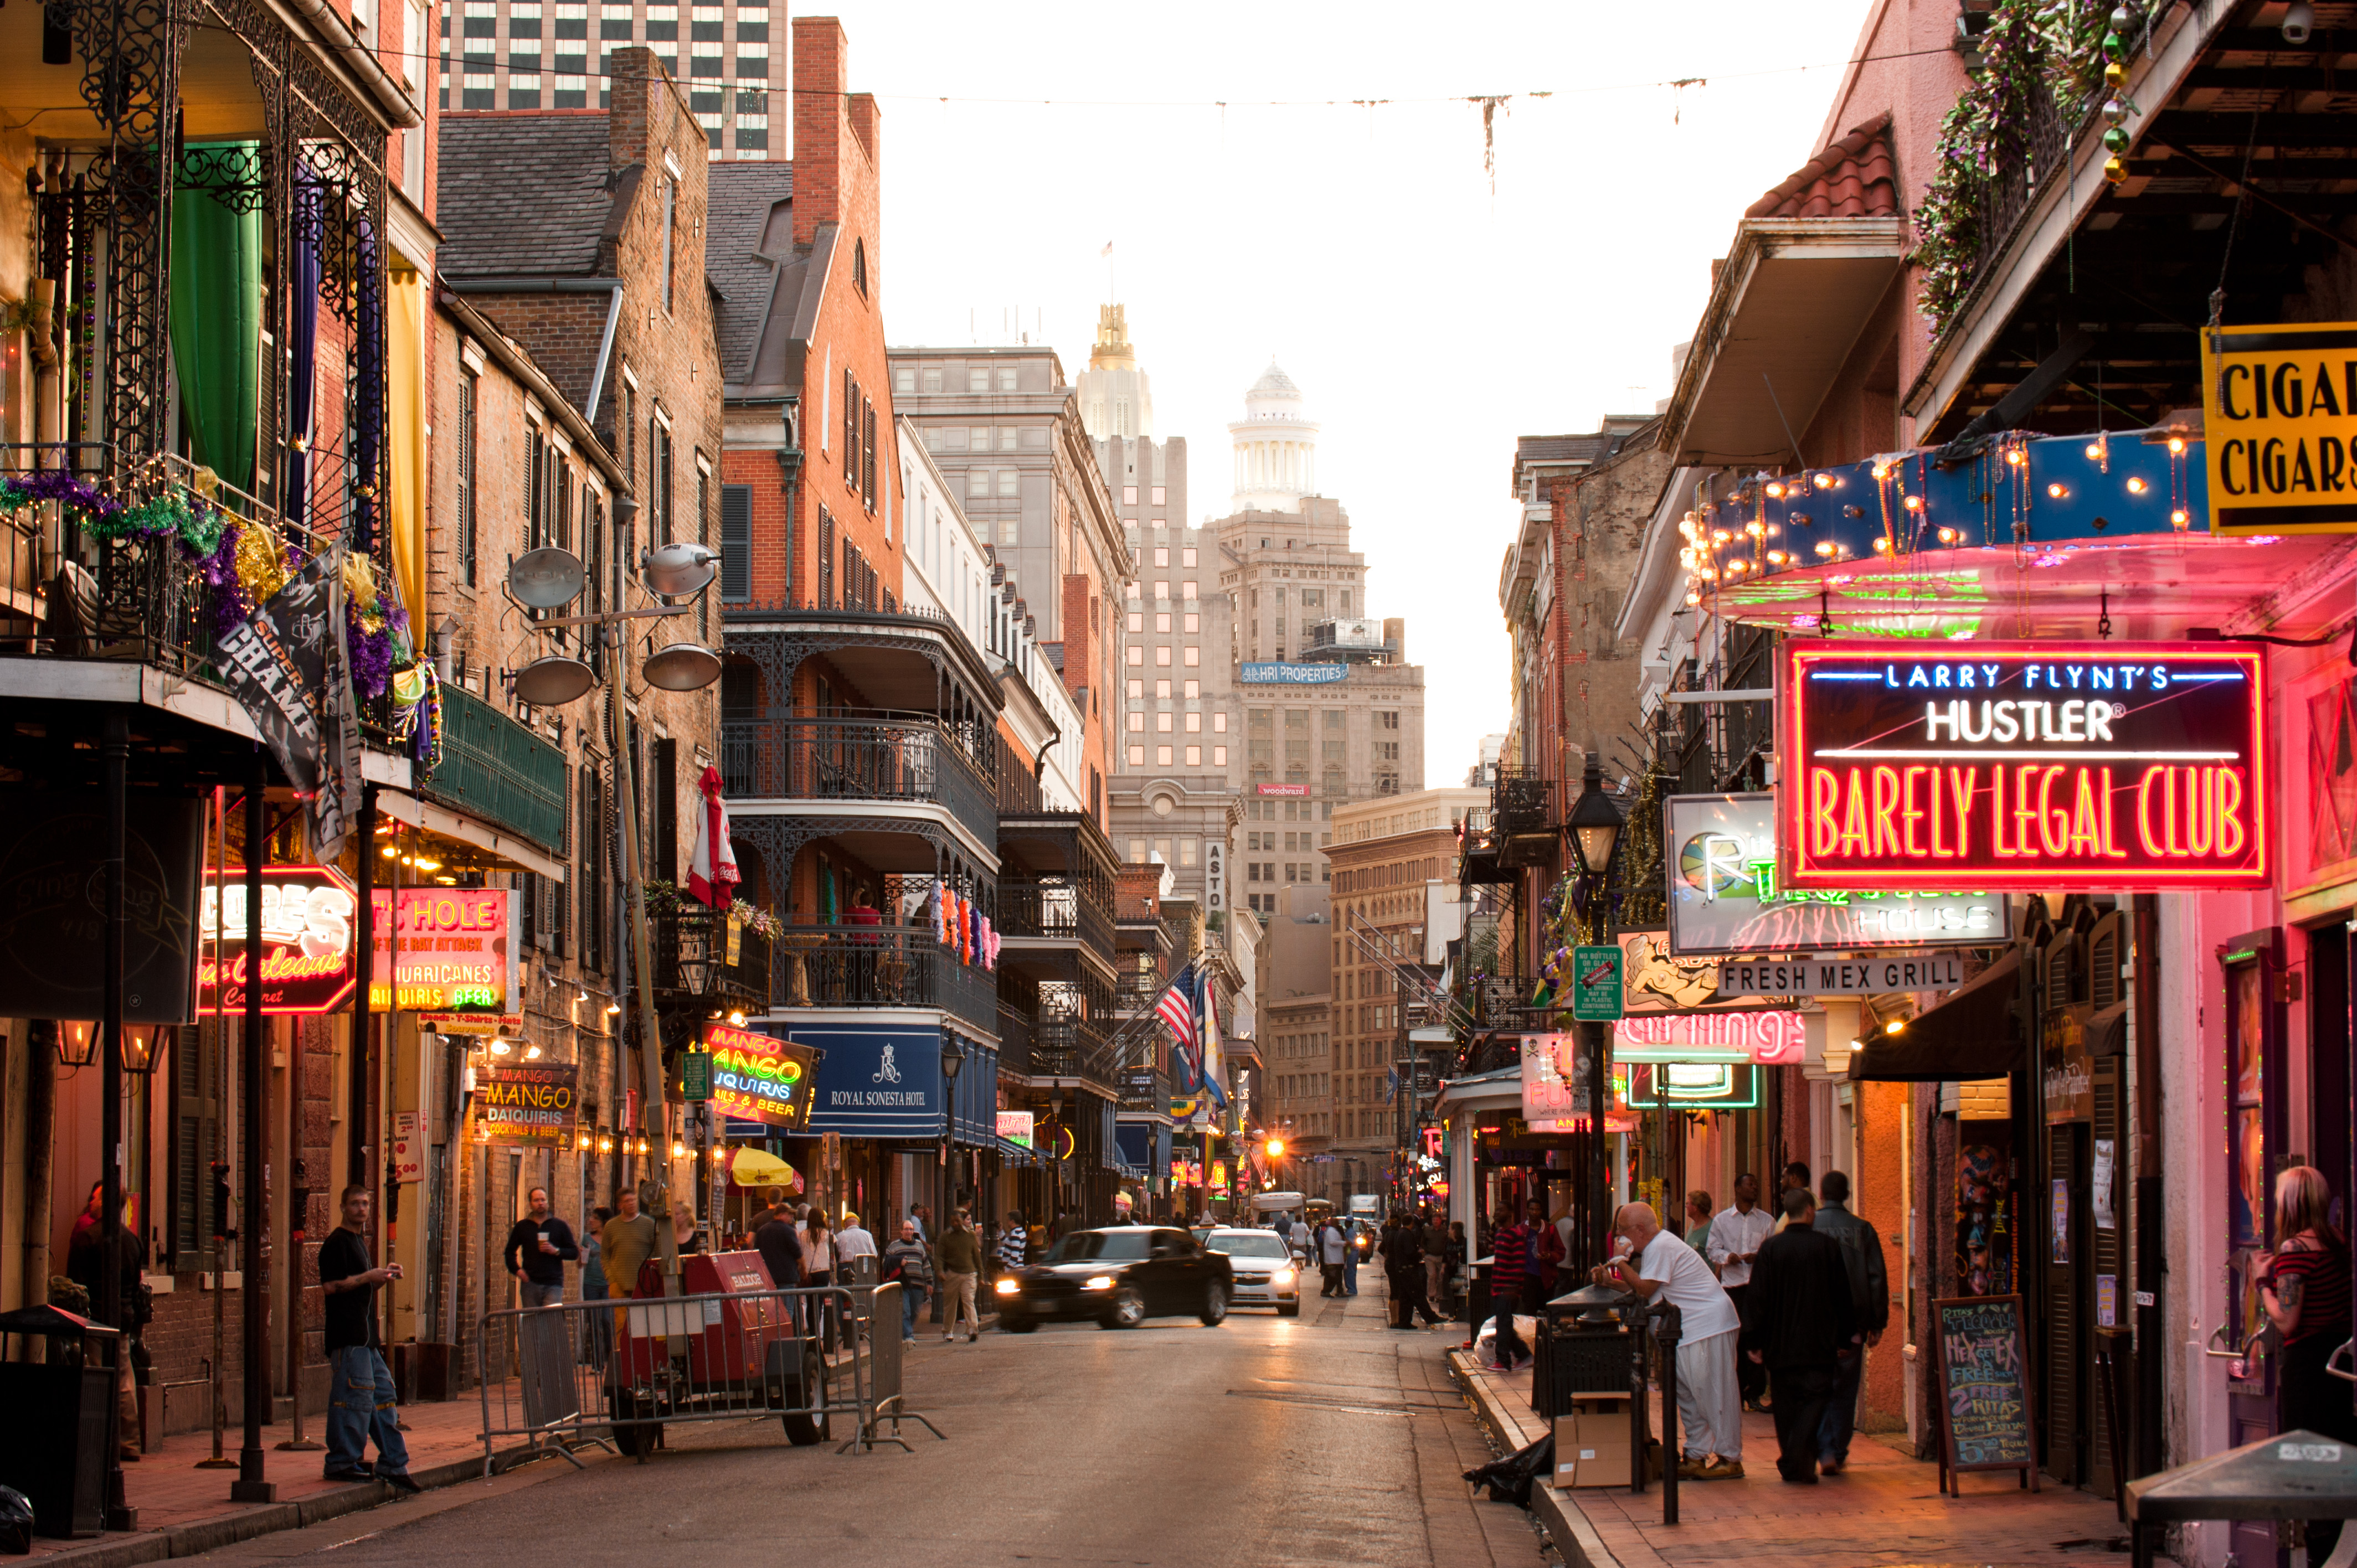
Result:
2024,766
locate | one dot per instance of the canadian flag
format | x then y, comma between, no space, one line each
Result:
712,875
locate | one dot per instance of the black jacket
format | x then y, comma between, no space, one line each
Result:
1798,1312
524,1249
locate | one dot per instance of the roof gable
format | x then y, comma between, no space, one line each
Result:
522,195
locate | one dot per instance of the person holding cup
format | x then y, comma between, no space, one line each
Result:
538,1247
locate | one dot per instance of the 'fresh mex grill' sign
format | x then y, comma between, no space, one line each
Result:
2025,765
760,1077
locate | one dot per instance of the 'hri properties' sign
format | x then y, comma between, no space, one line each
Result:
2028,766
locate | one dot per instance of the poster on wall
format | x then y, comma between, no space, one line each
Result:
2033,766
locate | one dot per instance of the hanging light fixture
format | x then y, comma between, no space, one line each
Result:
140,1051
1595,823
77,1045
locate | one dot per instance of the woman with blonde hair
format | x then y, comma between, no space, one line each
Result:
2304,1289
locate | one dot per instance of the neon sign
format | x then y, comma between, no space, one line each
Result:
2023,765
445,953
306,963
1772,1039
760,1077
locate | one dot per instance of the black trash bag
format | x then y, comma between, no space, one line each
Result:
1510,1479
16,1522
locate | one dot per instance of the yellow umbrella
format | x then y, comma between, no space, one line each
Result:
758,1167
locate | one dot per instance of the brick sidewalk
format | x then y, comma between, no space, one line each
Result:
1885,1510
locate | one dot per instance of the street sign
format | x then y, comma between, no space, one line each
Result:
1595,984
696,1076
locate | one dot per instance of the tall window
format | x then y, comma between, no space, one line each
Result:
850,430
736,543
468,393
670,239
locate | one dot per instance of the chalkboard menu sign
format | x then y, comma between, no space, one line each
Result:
1983,1371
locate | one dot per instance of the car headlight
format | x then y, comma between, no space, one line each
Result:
1009,1287
1097,1281
1282,1276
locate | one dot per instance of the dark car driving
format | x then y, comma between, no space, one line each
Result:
1120,1277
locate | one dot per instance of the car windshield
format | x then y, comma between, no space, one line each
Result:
1246,1244
1089,1246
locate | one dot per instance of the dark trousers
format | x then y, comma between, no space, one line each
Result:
1331,1274
2316,1402
1841,1413
1749,1376
1408,1283
1801,1395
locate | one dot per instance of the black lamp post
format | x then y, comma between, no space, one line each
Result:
1594,827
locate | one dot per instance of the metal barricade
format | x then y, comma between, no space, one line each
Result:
621,1371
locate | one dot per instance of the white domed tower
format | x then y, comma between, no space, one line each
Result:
1275,447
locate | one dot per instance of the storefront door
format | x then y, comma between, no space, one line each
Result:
2255,1131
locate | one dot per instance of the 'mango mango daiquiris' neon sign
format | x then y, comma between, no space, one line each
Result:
2024,766
760,1077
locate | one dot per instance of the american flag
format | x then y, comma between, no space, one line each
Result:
1177,1008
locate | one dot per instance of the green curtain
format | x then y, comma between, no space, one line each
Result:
217,328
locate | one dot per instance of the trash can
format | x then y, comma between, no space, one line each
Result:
53,1447
1582,1349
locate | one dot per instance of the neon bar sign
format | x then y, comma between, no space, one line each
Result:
2023,765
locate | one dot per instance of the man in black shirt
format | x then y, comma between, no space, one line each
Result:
541,1244
361,1401
1801,1323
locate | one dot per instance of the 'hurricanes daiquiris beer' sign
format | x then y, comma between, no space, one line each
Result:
2023,765
2279,418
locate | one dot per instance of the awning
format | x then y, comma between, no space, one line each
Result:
1011,1153
507,847
1974,1034
2107,1032
1500,1090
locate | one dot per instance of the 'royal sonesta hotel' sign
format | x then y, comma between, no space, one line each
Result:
2030,765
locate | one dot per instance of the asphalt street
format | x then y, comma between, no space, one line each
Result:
1326,1439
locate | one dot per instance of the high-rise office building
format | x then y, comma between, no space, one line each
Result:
539,55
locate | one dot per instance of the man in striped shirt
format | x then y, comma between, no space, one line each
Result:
1510,1251
1011,1240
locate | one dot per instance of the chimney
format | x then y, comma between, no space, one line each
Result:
821,73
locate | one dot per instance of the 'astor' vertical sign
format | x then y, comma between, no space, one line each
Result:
2023,765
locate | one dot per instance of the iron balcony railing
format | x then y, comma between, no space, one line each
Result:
494,768
906,759
699,952
1015,1042
1521,801
1135,993
1145,1089
1073,1048
879,966
1053,908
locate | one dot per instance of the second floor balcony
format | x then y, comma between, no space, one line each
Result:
865,765
1053,908
836,966
699,954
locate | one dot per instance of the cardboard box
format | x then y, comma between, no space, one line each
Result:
1592,1449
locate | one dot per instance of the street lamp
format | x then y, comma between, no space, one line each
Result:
77,1045
952,1058
1594,826
139,1052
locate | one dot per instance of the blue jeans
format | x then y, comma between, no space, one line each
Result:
536,1295
360,1408
911,1298
1841,1413
1350,1271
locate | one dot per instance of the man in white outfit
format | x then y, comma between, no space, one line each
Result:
1735,1236
1658,1266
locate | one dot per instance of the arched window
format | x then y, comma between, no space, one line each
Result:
859,265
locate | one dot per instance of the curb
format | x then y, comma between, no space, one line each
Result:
263,1518
1557,1510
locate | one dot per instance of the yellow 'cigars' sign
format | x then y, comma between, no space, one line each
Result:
2279,411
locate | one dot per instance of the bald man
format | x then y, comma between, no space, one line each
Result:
1658,1266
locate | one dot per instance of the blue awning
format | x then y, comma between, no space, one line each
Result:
1134,1142
878,1080
977,1120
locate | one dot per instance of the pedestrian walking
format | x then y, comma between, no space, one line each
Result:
1795,1177
908,1261
1403,1271
1658,1265
960,1256
85,1265
1800,1327
781,1246
538,1250
2304,1290
1013,1241
1698,1214
1735,1237
1351,1239
598,1329
1869,1297
1433,1241
1454,1300
818,1273
629,1241
1332,1247
1510,1260
852,1242
360,1399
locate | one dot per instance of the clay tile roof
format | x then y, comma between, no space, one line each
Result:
1853,178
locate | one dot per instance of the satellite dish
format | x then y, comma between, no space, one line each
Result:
546,579
682,667
552,681
677,569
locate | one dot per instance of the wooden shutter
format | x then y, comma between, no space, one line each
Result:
850,430
196,1142
663,843
467,477
826,559
867,454
736,543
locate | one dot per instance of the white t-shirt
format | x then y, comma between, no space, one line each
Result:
1686,1284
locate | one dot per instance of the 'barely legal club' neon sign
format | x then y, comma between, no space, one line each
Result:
2025,765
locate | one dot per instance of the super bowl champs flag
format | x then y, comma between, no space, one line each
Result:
289,666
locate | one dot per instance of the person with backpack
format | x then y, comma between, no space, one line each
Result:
1869,1294
908,1261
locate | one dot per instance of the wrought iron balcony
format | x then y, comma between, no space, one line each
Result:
1053,908
1135,993
1521,801
1145,1089
699,954
1073,1049
879,966
494,768
890,759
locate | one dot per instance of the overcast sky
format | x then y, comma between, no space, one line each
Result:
1431,309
